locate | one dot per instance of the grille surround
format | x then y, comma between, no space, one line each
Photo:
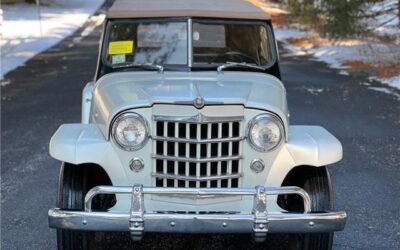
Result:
197,151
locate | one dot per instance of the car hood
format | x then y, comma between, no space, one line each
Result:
117,92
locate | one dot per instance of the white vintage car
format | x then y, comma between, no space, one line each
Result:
185,129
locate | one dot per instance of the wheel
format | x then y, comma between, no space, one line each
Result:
73,184
317,183
72,188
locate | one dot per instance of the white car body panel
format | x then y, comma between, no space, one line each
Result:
116,92
87,94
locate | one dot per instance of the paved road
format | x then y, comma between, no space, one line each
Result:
46,93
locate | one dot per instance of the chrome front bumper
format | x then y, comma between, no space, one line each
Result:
138,221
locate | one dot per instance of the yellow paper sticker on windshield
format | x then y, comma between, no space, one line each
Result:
120,47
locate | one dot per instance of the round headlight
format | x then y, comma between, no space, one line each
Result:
130,131
265,132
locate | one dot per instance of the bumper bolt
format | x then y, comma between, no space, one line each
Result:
84,222
311,223
172,224
224,224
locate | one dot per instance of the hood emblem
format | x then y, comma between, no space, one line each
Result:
199,102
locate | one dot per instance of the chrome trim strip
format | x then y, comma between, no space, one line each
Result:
194,178
197,223
184,140
190,40
205,103
196,160
199,118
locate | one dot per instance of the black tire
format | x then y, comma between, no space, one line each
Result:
72,188
317,182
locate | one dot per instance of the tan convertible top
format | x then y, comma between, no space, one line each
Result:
239,9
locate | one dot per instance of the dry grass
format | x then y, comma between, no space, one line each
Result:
280,20
381,70
308,42
279,17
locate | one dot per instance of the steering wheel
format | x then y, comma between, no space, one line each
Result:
235,54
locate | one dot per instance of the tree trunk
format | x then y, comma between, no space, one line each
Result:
398,11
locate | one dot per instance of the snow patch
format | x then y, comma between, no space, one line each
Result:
4,82
386,24
386,91
24,34
394,81
94,21
283,33
315,91
337,53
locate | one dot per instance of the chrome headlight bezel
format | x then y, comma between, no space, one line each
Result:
271,117
123,116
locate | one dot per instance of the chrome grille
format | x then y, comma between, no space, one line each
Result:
197,151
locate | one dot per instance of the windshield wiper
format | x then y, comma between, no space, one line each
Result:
238,64
157,67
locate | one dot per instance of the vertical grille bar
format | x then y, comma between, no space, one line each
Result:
219,153
239,152
165,152
176,145
187,153
208,153
229,168
198,153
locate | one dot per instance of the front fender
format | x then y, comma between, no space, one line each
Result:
84,143
78,143
307,145
313,146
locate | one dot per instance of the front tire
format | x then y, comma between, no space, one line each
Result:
317,183
72,188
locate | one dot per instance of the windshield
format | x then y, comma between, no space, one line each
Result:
166,43
148,43
222,43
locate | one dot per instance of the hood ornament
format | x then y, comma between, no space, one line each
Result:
199,102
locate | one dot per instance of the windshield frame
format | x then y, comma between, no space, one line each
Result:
190,65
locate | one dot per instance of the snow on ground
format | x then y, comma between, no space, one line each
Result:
338,53
388,22
24,34
386,91
334,53
347,54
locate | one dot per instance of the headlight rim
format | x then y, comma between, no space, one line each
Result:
278,121
114,127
